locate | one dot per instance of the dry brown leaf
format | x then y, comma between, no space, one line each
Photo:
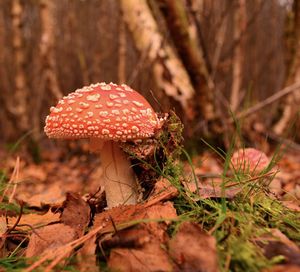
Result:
49,238
58,254
3,225
43,194
32,220
126,238
217,192
33,172
76,213
276,186
292,205
193,250
87,256
276,243
149,257
147,253
163,186
163,211
211,191
127,215
206,163
3,229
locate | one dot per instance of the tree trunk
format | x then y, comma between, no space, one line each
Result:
184,36
167,68
48,81
17,105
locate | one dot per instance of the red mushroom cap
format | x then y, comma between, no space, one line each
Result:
105,111
249,159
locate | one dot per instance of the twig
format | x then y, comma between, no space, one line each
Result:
289,143
14,177
18,219
251,179
268,101
9,230
62,252
139,66
113,224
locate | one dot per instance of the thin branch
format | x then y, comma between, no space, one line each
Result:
278,95
18,219
268,101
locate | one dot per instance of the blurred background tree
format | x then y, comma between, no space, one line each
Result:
209,60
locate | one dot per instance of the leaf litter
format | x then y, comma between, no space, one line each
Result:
62,223
192,249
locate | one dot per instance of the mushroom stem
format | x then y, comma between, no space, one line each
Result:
119,179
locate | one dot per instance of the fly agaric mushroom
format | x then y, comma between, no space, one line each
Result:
249,159
106,114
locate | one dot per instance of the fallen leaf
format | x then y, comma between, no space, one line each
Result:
275,243
49,238
58,254
76,213
207,191
211,191
276,186
33,172
126,238
163,187
149,257
193,250
3,229
147,253
292,205
205,164
86,256
33,221
161,211
126,215
3,225
44,193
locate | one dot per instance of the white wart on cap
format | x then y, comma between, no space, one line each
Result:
104,111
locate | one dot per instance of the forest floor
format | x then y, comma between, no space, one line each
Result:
195,217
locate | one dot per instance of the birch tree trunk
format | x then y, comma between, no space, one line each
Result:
167,68
48,82
18,104
184,36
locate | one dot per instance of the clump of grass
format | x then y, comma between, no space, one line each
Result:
4,205
10,260
13,263
237,223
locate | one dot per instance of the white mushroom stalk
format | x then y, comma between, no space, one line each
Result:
106,114
119,179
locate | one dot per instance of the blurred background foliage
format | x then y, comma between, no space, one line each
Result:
210,60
